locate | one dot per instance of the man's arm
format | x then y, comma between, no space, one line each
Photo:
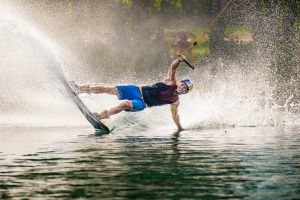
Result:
173,67
175,116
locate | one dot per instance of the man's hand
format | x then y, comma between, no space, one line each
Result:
181,57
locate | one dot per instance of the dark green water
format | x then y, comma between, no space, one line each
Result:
243,163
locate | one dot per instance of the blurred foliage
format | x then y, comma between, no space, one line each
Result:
202,38
127,2
157,4
230,32
298,10
241,30
297,31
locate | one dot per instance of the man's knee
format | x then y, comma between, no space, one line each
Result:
114,90
127,105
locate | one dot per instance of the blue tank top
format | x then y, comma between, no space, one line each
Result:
159,94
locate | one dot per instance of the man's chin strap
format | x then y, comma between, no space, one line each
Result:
178,93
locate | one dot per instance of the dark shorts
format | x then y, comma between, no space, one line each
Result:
132,93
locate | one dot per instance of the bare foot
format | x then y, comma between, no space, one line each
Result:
80,88
83,88
102,115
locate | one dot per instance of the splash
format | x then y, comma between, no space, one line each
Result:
227,92
30,93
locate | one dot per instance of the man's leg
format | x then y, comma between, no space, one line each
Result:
97,89
107,113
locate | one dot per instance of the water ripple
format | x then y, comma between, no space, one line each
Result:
242,164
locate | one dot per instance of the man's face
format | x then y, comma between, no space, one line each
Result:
181,88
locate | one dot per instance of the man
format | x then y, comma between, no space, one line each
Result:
137,98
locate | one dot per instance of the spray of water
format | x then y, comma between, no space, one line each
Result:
227,92
30,94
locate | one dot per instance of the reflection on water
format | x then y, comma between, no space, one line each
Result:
207,164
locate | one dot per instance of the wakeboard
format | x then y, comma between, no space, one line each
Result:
70,87
97,124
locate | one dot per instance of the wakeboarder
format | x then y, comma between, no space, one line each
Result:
137,98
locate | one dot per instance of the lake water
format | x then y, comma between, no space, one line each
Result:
68,163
